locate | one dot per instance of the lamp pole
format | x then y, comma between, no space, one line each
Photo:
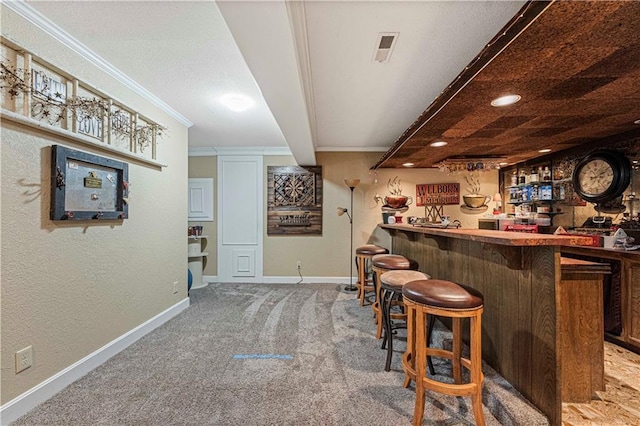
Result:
351,183
351,288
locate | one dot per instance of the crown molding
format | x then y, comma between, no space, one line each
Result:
352,149
39,20
207,151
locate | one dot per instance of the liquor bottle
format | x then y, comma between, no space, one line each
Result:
546,174
534,175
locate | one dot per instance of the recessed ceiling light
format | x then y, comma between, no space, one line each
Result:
636,122
236,102
407,164
544,150
505,100
438,143
504,163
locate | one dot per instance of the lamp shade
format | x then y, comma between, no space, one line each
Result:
497,197
352,183
341,211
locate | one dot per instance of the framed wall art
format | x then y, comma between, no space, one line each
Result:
294,200
87,187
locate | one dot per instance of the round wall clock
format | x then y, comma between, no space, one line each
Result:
601,176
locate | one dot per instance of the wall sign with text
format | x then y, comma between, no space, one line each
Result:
436,194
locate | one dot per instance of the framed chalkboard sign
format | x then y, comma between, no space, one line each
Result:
87,187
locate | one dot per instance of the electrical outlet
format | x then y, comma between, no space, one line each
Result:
24,359
299,264
175,287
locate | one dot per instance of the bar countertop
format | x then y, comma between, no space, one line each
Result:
518,239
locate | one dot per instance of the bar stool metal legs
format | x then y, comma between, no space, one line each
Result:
392,283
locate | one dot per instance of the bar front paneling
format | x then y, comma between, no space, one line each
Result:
518,280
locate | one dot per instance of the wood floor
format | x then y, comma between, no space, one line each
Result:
619,404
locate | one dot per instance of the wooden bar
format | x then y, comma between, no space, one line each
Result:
629,262
519,275
581,328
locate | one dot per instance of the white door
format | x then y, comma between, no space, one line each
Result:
240,213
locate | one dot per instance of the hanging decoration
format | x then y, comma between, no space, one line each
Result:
454,165
49,102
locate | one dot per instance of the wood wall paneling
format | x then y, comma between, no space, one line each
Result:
545,362
524,340
519,320
634,303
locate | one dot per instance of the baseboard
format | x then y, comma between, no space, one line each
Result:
290,280
306,280
24,403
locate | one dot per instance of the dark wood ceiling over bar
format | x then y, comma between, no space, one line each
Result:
576,65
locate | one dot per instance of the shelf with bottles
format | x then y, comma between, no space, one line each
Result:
532,193
516,203
538,175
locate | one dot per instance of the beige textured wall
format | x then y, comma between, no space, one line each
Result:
207,167
328,255
70,288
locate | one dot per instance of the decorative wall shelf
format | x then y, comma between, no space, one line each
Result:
36,93
74,137
197,259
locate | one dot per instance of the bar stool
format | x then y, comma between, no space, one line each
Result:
381,263
446,299
391,284
363,258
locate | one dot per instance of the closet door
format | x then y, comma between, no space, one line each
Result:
240,213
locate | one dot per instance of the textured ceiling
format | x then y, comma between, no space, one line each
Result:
577,68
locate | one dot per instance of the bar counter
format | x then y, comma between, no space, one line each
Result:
521,278
520,239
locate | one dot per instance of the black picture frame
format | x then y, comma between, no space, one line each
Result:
87,187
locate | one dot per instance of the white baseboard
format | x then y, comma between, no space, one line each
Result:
24,403
307,280
290,280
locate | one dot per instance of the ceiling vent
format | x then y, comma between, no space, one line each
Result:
384,46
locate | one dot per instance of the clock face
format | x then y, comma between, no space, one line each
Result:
602,176
595,177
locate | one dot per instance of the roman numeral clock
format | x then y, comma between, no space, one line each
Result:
602,176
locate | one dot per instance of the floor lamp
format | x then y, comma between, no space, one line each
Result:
351,183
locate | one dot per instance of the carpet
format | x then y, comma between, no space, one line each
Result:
268,354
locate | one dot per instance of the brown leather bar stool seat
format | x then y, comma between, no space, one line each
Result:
363,261
392,283
445,299
381,263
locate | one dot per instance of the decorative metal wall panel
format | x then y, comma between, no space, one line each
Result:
294,200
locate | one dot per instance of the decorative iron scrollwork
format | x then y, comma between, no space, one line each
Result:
59,178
